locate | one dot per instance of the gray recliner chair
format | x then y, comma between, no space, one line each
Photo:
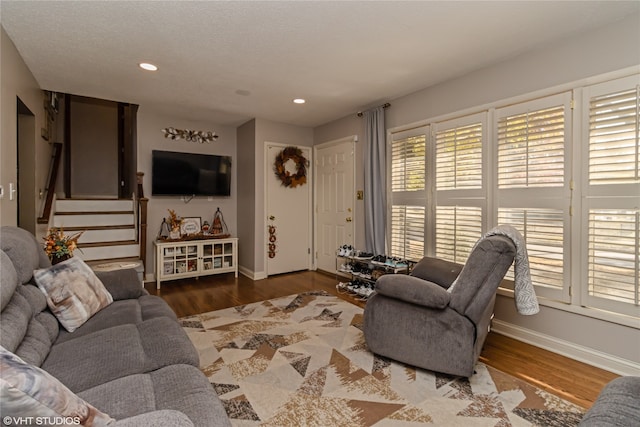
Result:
416,320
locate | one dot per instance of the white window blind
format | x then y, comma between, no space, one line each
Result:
611,203
407,231
458,228
614,147
613,257
459,185
543,231
407,172
533,195
459,157
531,148
408,163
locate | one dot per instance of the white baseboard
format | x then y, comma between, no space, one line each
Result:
580,353
252,274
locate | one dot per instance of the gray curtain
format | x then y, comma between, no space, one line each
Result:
375,174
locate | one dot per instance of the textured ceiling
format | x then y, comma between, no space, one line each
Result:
229,61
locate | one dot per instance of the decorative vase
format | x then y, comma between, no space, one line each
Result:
174,234
56,259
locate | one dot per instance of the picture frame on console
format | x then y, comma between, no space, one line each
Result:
190,226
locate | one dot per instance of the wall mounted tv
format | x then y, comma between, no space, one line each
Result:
190,174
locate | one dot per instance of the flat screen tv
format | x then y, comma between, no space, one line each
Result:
190,174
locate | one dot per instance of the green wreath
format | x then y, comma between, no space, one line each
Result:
287,179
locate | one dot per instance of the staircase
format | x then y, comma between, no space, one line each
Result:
109,225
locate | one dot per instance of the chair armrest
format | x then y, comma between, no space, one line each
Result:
414,290
161,418
122,284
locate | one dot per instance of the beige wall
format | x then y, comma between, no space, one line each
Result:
605,50
246,139
18,82
94,148
150,137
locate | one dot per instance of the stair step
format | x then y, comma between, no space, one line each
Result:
110,234
99,219
89,205
83,246
109,252
94,212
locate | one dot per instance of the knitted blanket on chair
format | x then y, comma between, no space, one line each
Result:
525,296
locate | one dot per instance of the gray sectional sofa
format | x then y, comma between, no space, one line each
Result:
131,362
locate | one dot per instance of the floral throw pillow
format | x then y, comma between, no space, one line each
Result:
28,391
73,292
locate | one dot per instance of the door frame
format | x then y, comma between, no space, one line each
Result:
352,139
268,169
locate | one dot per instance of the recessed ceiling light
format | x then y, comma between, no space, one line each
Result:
299,101
147,66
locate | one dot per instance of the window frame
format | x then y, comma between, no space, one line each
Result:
413,198
464,197
624,196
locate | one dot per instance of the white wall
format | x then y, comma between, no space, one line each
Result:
18,82
607,49
150,137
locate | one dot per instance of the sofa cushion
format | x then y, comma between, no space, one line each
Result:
73,292
23,249
179,387
438,271
123,312
8,279
618,404
28,391
119,351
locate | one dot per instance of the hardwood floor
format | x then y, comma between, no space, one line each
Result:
574,381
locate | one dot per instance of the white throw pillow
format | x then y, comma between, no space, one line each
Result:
73,292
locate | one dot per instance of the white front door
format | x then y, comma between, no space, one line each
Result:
334,200
288,233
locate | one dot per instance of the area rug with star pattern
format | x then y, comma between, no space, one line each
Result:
302,360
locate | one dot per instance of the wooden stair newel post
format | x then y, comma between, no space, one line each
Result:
142,218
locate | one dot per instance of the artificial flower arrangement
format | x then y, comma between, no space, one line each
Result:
174,221
58,246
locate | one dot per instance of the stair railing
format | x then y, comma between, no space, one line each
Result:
51,183
142,218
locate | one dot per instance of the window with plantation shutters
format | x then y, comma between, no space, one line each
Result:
614,149
407,171
531,148
408,163
458,228
459,186
565,174
543,230
459,157
533,141
611,200
407,231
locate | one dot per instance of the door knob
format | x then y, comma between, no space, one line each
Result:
348,219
